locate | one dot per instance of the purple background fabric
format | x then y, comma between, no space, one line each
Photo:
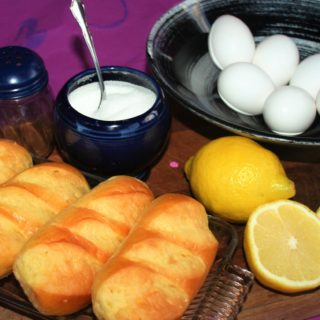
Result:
119,28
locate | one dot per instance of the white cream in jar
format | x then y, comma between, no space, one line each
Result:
124,100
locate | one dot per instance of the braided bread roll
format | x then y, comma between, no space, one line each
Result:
29,200
13,159
161,265
57,266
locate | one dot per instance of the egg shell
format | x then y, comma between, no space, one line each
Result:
289,111
244,87
318,102
278,56
229,41
307,75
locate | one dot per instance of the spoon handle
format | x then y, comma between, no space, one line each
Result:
77,9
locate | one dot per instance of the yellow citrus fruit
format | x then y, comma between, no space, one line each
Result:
232,175
318,212
282,246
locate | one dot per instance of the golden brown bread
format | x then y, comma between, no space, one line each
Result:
160,266
29,200
57,266
13,159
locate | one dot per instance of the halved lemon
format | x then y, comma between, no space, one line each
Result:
282,246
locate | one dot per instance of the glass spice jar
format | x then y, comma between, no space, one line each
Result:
26,101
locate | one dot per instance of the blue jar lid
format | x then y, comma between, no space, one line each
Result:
22,72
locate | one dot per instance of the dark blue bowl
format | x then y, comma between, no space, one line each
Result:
107,148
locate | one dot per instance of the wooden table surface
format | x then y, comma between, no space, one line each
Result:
188,134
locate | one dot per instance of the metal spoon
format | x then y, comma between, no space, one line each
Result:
77,9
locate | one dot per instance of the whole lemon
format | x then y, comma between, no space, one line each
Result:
233,175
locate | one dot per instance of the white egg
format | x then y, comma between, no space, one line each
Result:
229,41
318,102
244,87
278,56
289,111
307,75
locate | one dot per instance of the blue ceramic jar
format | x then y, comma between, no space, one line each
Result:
26,101
108,148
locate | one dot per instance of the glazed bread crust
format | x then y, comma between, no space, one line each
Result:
56,268
29,200
13,159
160,266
